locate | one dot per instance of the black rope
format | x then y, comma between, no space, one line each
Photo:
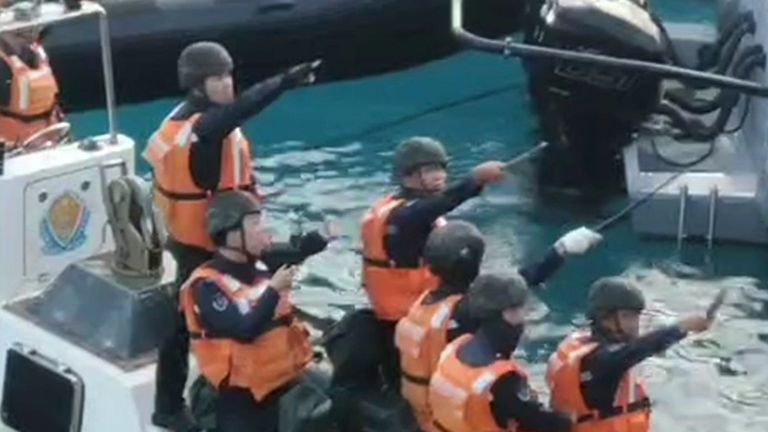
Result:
743,119
417,115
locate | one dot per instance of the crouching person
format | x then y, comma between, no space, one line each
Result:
477,385
247,343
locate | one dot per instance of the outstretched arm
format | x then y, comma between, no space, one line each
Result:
294,251
575,242
217,122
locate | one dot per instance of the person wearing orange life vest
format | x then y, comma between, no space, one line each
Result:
198,151
477,385
454,253
590,375
247,343
28,87
395,230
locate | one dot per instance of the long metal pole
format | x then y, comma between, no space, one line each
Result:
109,83
509,48
525,155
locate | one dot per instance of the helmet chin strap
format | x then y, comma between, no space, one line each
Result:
243,249
619,332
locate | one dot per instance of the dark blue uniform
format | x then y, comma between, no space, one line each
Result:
214,124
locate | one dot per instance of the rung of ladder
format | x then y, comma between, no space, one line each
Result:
713,195
681,216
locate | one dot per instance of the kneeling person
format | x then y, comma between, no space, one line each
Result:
590,375
247,343
454,253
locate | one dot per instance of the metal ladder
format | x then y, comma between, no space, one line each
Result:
711,221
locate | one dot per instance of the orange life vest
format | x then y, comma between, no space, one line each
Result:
33,105
181,202
421,336
460,395
631,409
269,362
391,289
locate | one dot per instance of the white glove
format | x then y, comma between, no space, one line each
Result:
578,241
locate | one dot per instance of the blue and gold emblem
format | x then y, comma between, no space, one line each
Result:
62,229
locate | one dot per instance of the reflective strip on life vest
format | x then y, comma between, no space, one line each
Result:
441,316
156,149
237,156
412,331
24,92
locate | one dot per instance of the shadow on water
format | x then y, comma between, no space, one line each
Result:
713,382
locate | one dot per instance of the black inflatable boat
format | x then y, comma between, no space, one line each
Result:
355,38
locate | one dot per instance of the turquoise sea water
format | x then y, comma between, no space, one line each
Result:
714,382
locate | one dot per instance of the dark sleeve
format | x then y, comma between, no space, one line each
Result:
223,317
606,366
513,400
219,121
425,211
412,223
612,361
5,84
294,251
537,273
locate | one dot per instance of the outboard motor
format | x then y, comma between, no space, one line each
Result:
588,111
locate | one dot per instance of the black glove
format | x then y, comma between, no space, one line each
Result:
302,74
312,243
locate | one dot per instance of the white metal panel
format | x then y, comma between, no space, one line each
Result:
64,219
20,264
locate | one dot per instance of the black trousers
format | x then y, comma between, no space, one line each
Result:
390,356
363,352
238,411
173,356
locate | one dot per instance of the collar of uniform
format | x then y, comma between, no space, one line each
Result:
478,351
193,104
244,272
600,335
26,54
444,291
6,48
411,194
498,341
